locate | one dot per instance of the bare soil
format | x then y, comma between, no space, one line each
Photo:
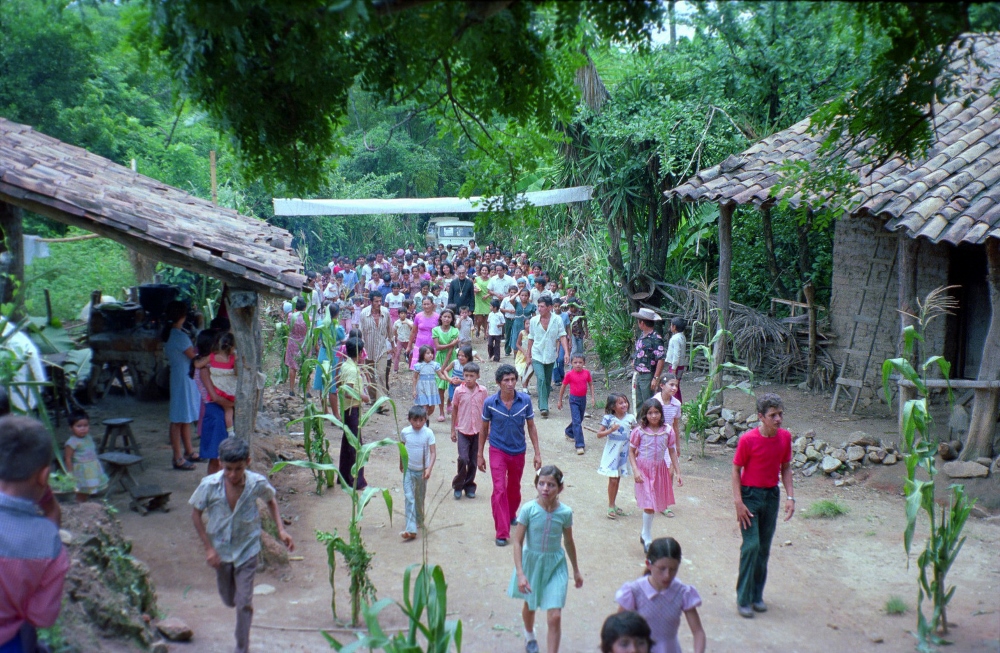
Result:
829,578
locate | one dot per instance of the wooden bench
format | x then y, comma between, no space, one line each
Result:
143,498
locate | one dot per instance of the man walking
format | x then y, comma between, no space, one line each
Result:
546,336
374,327
506,415
461,292
647,360
761,454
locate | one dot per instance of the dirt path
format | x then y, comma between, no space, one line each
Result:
829,578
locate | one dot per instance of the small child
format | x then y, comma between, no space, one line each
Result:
626,631
540,575
615,426
421,453
425,291
454,370
494,330
440,298
577,326
667,396
464,324
466,423
425,375
661,599
394,300
222,368
233,543
521,357
677,351
35,561
401,332
351,388
578,380
649,445
81,458
508,310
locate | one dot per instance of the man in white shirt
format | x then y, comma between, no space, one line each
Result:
28,363
546,334
375,329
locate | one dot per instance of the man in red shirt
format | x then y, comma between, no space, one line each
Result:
761,455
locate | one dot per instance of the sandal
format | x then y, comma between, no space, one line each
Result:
440,418
192,458
183,465
620,512
668,513
612,513
408,536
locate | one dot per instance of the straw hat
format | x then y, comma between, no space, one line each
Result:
647,314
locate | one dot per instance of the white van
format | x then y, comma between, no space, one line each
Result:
450,231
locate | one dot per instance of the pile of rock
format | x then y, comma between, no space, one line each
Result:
812,454
729,425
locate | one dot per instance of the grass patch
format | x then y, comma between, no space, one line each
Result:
825,509
896,606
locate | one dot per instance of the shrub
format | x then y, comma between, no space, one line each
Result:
825,509
896,606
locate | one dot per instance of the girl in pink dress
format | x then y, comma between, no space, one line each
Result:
423,324
297,332
667,396
650,444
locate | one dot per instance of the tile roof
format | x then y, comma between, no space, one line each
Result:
950,195
73,186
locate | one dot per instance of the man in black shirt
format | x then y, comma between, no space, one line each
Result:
461,291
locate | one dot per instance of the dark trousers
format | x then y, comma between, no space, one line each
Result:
559,371
763,504
493,347
577,408
236,590
468,452
347,453
508,327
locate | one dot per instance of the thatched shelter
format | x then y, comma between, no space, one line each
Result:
73,186
913,226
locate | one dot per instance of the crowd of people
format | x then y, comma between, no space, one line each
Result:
425,309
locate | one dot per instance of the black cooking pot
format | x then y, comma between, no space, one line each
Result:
154,298
120,317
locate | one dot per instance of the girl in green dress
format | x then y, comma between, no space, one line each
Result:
445,337
540,575
81,459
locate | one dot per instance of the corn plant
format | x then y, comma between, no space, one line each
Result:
430,597
945,539
697,411
317,446
353,549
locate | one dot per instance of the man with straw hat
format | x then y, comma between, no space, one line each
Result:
647,360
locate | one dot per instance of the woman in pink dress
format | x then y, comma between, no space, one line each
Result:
423,323
297,333
650,444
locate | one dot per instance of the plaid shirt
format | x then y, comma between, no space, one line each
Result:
235,534
648,350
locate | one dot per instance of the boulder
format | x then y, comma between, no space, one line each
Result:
820,445
740,417
720,422
862,439
876,456
855,453
800,444
800,458
946,451
839,454
986,462
752,424
175,630
729,430
958,469
890,459
830,464
810,470
812,454
810,434
733,441
159,646
728,415
713,438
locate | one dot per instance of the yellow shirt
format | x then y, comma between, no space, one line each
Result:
349,376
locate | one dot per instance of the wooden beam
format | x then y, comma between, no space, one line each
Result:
245,325
955,384
726,212
986,403
13,244
907,304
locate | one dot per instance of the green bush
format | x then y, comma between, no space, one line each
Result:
896,606
825,509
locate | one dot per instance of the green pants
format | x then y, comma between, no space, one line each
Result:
543,377
641,382
762,502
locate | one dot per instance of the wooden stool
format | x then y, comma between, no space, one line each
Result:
148,497
115,427
118,467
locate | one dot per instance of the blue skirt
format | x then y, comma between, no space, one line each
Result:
318,379
213,430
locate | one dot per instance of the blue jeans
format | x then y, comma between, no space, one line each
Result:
577,408
414,489
577,346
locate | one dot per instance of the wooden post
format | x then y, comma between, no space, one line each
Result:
986,402
211,169
245,325
907,304
722,294
809,291
13,245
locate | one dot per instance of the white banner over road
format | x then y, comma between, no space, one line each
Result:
447,205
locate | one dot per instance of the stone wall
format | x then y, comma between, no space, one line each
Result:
857,243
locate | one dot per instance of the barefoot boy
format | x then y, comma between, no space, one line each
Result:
466,422
232,537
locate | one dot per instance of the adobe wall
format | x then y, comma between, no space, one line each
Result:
857,242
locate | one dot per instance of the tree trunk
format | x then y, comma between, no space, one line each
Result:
725,274
13,246
810,294
986,403
907,304
243,318
672,21
772,259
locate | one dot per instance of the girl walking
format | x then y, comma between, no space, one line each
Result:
649,446
456,372
661,599
297,332
445,338
423,325
425,375
616,426
540,576
670,388
81,458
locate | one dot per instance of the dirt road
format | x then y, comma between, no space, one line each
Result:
828,582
